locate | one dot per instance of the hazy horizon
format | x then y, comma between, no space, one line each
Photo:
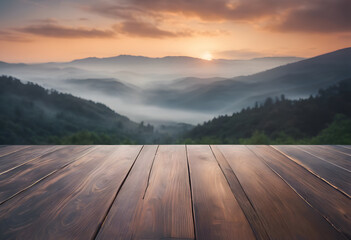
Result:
159,57
159,90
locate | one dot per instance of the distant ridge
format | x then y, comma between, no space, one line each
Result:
295,80
124,57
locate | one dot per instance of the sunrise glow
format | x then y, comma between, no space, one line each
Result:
33,32
207,56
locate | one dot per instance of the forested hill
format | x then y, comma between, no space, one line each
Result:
323,119
31,114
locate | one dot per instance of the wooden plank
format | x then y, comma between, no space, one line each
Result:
341,149
216,211
122,219
284,214
72,203
332,204
166,209
239,193
6,150
346,146
335,176
16,159
328,154
20,178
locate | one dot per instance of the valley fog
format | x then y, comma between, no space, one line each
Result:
144,89
183,89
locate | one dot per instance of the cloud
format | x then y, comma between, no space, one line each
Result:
142,29
318,16
239,54
120,11
217,10
59,31
45,21
135,21
10,36
276,15
130,28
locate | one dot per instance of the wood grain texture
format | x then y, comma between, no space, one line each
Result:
284,214
71,203
335,176
20,178
216,211
166,209
239,193
6,150
17,158
341,149
346,146
332,204
122,219
135,192
330,155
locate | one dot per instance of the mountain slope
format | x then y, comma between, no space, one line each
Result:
109,86
180,66
31,114
285,120
295,80
141,70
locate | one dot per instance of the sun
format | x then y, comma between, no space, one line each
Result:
207,56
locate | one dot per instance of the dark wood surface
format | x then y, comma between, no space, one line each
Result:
175,192
166,207
333,174
328,201
341,149
217,213
283,213
240,195
329,154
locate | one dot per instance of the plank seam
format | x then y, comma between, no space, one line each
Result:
114,198
239,202
191,192
88,150
324,180
315,209
148,177
47,152
345,146
14,151
324,160
341,152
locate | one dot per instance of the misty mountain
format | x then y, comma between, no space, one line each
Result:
11,65
180,66
323,119
295,80
185,89
31,114
109,86
130,85
127,60
139,70
186,84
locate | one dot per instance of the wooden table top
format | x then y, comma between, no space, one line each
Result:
175,192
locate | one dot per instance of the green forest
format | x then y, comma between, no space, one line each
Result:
321,119
31,114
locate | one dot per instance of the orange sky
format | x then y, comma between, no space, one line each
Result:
49,30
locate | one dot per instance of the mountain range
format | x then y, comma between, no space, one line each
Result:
295,80
184,89
321,119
